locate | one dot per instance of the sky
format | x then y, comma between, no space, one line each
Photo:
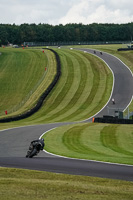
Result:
57,12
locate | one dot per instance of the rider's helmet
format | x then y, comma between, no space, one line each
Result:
42,139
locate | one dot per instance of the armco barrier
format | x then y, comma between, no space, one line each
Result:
41,99
113,120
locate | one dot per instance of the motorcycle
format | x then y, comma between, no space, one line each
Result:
34,149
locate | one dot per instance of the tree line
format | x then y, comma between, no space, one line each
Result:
18,34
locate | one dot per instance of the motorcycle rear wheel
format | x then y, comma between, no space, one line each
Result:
33,153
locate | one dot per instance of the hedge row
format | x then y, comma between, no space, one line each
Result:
41,99
113,120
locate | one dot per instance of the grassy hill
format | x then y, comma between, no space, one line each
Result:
23,78
83,89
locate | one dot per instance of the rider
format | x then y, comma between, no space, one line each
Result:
113,101
41,141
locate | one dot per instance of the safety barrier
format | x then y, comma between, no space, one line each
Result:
112,120
125,49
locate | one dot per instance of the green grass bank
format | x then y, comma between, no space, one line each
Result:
92,141
24,75
26,184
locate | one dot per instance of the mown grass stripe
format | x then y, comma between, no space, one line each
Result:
72,139
92,141
78,98
76,94
102,94
60,101
55,101
109,138
125,133
78,85
95,84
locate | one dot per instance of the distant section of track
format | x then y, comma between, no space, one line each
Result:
123,82
14,142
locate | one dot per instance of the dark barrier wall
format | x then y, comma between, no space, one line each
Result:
41,99
113,120
125,49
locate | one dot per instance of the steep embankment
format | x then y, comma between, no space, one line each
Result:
25,76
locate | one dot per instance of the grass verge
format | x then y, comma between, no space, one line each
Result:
26,184
103,142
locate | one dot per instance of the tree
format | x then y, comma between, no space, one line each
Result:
18,34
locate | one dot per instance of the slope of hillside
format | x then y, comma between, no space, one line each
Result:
24,75
83,89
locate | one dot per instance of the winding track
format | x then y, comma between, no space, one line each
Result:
14,142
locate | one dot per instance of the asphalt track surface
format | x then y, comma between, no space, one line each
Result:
14,142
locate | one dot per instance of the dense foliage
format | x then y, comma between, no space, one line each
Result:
17,34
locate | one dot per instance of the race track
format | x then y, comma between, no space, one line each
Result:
14,142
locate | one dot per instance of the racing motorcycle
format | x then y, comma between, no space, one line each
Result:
34,149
